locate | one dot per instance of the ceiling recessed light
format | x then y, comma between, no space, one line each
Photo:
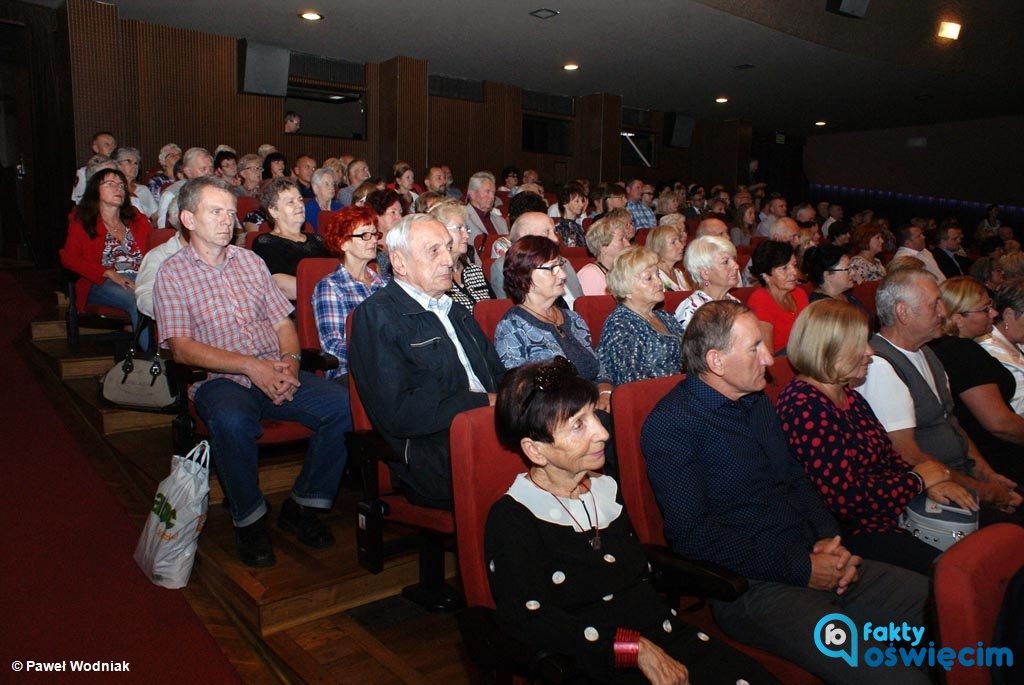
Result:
820,123
949,29
337,97
544,13
571,66
722,100
311,16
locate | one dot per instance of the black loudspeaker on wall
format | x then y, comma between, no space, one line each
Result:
262,69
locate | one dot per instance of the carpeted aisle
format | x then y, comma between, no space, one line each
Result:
69,588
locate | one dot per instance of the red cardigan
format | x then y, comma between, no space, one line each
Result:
82,254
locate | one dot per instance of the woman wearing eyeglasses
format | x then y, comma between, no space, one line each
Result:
468,283
352,236
564,565
105,244
828,268
982,387
537,328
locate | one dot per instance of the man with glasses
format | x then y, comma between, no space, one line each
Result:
250,170
417,360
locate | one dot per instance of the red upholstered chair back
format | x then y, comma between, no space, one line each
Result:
323,217
674,298
641,236
489,312
159,236
586,223
361,420
575,252
246,205
594,309
742,294
482,471
744,250
756,240
309,273
969,583
504,196
631,405
580,262
489,241
251,236
742,260
779,375
865,292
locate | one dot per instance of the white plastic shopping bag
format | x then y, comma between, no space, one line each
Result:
167,548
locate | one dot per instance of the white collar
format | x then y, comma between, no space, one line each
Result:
543,505
435,304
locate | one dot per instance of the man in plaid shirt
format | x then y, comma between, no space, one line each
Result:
643,217
218,309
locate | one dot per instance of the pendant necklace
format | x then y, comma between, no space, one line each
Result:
595,539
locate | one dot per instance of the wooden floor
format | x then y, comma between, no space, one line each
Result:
316,616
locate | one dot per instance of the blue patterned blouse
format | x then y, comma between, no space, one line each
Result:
631,350
521,338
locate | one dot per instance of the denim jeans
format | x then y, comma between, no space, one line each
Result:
110,294
232,414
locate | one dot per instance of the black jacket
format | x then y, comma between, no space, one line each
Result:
951,266
410,380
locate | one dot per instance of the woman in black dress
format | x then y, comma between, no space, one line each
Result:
566,569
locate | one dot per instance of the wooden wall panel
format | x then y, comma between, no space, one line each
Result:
452,124
413,113
97,72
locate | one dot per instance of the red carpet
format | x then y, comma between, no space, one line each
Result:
71,590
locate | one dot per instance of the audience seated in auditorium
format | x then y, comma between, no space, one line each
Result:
535,223
606,238
776,210
694,202
989,226
669,202
302,174
483,218
218,309
537,327
908,391
947,252
711,263
128,160
638,341
468,283
325,186
519,204
358,172
352,236
732,494
712,225
989,272
668,242
150,266
225,165
844,449
106,240
451,190
169,156
835,214
983,389
404,179
196,162
103,144
784,230
286,244
911,241
571,207
743,225
435,180
509,179
1013,266
275,165
613,196
388,206
1006,342
643,217
780,300
250,173
418,359
579,585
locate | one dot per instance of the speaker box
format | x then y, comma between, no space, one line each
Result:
262,69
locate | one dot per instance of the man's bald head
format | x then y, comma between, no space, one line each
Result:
534,223
712,226
785,230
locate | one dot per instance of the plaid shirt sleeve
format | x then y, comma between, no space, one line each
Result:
170,306
330,308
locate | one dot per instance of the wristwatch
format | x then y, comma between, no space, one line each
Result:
294,356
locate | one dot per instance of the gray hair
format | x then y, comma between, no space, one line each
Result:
249,159
97,163
123,153
270,192
449,212
188,194
194,153
702,252
477,179
265,149
776,231
321,173
710,329
675,219
898,286
397,238
166,150
628,265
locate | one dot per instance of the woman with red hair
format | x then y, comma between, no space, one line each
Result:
351,235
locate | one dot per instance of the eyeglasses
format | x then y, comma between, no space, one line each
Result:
251,168
369,235
549,377
114,184
560,264
457,228
985,309
835,271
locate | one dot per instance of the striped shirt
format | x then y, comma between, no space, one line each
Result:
232,307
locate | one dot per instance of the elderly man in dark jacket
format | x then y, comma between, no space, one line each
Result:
417,361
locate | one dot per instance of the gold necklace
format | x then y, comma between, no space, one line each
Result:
553,321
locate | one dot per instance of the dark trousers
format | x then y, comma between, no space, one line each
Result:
895,547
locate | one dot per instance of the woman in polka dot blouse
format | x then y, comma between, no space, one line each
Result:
566,570
843,447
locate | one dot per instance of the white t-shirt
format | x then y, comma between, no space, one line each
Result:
889,396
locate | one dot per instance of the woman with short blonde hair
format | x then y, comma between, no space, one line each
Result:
842,446
669,243
711,263
606,238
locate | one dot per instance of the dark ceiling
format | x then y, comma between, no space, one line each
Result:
887,69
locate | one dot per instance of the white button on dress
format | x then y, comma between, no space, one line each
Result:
533,605
590,632
557,577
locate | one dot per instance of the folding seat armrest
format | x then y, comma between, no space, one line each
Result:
316,360
691,577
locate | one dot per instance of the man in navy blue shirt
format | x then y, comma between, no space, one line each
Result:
732,494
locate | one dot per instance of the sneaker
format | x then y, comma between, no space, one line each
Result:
303,523
252,544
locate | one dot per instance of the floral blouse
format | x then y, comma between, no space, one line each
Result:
121,256
862,270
